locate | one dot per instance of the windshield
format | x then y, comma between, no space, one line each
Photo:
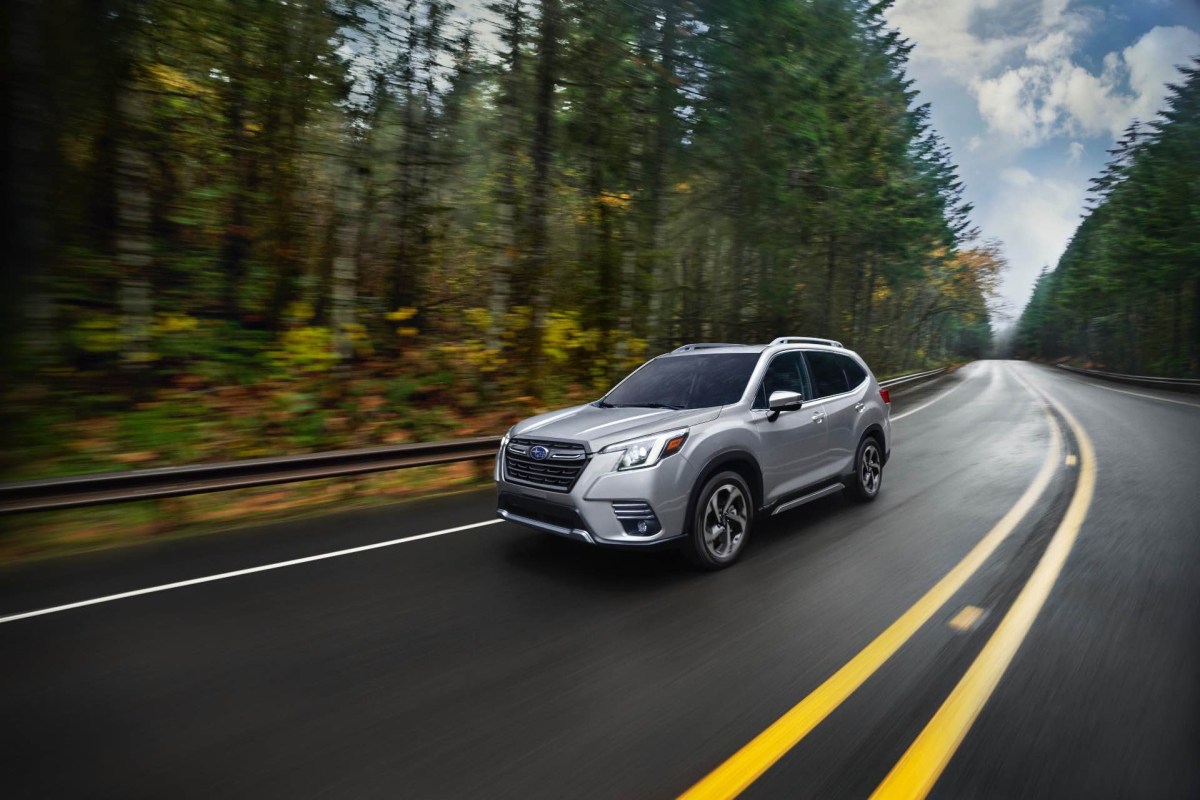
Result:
693,381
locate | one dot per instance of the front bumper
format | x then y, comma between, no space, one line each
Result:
586,512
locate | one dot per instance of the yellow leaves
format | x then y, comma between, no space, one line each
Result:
964,282
401,314
101,334
604,203
308,349
620,201
472,353
173,80
359,339
683,186
563,335
165,324
478,318
299,312
635,354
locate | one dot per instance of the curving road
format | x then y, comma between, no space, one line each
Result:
1023,601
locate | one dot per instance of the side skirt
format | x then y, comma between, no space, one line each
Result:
816,494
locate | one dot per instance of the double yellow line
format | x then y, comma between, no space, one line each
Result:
919,768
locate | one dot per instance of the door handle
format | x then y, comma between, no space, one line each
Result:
860,407
818,417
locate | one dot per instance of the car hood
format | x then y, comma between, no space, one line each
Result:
600,427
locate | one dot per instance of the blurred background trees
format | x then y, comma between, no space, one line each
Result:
1126,293
278,224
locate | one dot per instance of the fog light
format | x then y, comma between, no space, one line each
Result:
637,518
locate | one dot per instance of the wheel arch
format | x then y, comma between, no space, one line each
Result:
875,430
739,461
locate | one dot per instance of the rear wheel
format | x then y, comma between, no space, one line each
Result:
868,471
721,521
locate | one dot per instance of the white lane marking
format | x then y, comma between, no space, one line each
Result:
239,572
934,400
1132,394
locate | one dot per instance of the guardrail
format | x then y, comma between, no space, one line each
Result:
1177,384
917,376
149,484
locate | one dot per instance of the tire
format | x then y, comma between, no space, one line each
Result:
717,536
864,484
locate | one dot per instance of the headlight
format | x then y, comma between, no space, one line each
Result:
648,451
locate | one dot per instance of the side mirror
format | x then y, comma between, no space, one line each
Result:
784,401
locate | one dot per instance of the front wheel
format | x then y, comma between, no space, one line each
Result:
868,471
721,521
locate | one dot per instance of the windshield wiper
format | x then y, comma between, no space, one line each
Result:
647,405
602,404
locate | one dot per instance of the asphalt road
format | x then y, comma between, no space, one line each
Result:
498,662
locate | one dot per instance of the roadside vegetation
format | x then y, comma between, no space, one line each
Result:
252,228
1126,293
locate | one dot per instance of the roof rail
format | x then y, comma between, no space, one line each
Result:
806,340
704,346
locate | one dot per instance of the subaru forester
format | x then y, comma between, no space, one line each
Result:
696,444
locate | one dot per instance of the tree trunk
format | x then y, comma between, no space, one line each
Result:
868,332
134,257
539,196
345,269
25,301
235,246
655,259
508,213
830,278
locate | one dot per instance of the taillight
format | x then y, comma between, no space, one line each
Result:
886,396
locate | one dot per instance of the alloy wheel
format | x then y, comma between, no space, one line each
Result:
725,519
871,469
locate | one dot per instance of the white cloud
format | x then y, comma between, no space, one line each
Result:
1051,95
1049,47
1074,153
1026,83
1035,218
1053,10
1017,176
943,34
1152,62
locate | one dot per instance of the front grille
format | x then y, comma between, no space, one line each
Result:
558,471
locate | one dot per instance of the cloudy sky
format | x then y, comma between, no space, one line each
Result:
1030,93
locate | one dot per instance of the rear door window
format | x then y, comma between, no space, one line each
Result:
855,374
828,376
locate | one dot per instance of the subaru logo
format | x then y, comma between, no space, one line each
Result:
538,453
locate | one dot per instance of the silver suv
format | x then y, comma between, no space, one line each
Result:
695,444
